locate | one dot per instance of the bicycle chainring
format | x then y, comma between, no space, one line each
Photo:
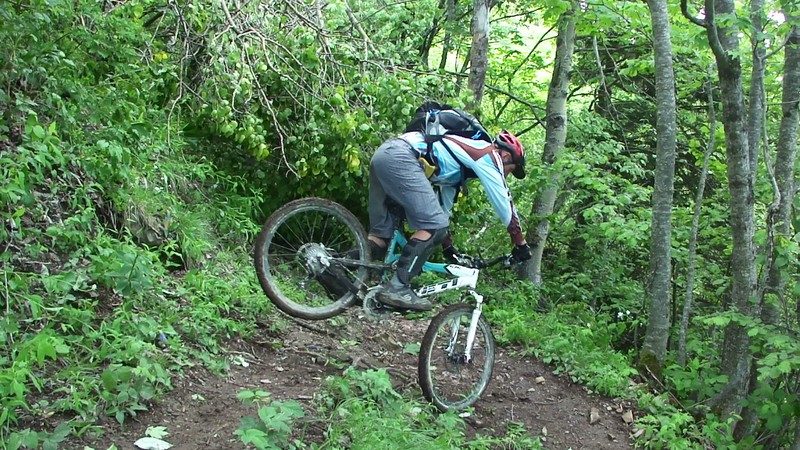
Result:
374,309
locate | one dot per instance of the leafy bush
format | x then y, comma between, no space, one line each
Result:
571,337
273,427
363,411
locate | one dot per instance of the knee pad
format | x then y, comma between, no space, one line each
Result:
416,252
438,236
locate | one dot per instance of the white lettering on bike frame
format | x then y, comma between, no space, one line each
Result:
465,278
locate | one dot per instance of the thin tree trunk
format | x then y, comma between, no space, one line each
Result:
654,347
449,17
555,138
786,159
480,51
755,123
736,357
698,203
756,99
786,154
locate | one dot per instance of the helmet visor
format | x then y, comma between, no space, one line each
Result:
519,171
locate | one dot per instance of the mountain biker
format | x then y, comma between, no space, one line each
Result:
398,172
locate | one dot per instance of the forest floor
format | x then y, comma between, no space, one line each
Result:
202,412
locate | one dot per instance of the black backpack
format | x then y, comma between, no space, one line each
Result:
435,121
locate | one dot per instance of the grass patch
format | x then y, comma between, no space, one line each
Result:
361,411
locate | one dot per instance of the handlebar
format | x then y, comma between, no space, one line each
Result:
505,260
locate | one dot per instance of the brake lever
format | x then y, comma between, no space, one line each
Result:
478,263
465,260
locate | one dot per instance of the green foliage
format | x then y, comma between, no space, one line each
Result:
273,427
699,379
666,427
102,205
41,439
123,268
600,235
128,389
280,102
572,338
363,411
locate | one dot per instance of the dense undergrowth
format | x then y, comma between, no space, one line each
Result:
125,249
360,409
131,193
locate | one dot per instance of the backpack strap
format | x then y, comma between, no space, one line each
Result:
462,184
432,122
431,116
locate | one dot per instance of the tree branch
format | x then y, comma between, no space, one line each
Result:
713,34
693,19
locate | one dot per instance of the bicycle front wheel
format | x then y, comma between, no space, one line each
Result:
302,254
448,379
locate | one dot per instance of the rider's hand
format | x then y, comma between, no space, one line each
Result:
520,253
452,256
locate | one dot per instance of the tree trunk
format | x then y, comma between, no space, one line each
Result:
479,54
785,161
449,18
755,123
756,99
724,41
786,154
654,348
555,137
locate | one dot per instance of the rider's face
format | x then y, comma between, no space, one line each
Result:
507,169
508,166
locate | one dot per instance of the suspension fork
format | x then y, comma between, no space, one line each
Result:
473,324
471,332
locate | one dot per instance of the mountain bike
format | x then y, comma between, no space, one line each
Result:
312,261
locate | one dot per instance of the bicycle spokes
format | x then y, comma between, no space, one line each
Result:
301,256
452,376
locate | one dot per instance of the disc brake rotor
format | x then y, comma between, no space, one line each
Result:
314,257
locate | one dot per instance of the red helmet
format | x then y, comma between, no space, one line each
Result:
508,142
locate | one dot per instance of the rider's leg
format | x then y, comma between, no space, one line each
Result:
398,291
376,247
381,219
395,172
414,255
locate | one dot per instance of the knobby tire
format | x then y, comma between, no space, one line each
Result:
446,382
310,229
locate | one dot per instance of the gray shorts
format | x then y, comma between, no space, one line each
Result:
396,173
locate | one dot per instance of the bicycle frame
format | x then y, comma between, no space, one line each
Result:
465,277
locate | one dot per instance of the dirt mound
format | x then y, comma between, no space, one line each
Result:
203,411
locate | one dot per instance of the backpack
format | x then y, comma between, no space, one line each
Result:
435,121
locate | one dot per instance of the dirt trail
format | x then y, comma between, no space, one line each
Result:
202,411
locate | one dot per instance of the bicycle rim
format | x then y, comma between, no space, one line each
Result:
297,258
447,380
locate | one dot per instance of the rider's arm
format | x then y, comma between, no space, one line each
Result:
489,169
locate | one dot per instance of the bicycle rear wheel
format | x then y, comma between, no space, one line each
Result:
446,378
306,258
